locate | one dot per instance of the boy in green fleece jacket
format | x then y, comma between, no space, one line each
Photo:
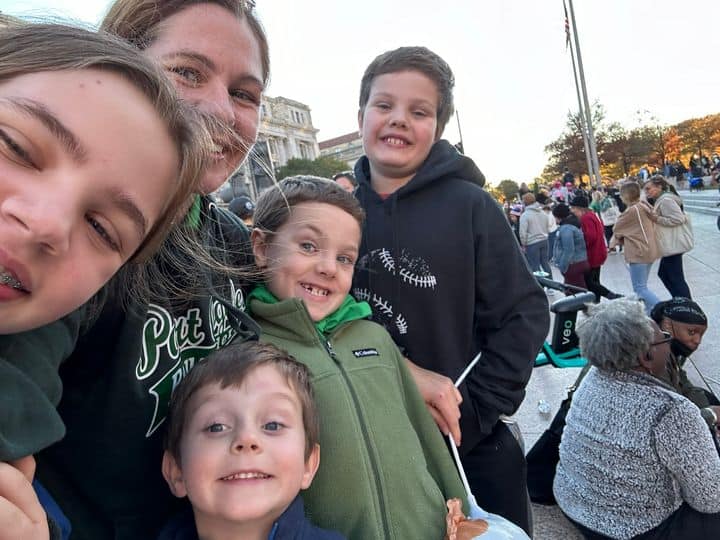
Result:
385,471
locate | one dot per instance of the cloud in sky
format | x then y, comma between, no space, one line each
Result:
513,75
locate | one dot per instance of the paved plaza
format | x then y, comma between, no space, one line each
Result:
702,272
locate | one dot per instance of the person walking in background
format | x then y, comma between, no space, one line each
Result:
534,231
672,234
635,231
513,216
547,206
592,230
605,207
570,253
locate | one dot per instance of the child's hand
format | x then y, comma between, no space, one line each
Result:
21,516
442,398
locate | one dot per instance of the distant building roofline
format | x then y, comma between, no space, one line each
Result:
342,139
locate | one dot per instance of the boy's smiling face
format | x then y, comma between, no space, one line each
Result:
242,454
399,126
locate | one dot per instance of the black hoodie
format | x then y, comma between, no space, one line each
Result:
444,274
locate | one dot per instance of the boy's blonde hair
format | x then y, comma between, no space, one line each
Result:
230,367
33,48
422,60
630,192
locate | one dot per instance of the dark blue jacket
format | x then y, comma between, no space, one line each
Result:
291,525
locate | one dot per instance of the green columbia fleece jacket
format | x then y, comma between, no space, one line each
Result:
385,472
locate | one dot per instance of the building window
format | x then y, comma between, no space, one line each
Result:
297,117
273,147
305,150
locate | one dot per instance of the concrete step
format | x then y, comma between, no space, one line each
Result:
704,203
693,209
701,202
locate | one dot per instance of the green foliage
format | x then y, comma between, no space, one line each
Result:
508,188
325,167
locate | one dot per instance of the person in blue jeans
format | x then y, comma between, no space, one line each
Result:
635,231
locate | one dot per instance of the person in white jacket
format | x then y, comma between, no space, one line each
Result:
534,231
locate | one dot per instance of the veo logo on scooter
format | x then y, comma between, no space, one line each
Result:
567,332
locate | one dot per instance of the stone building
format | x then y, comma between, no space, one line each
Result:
347,148
286,132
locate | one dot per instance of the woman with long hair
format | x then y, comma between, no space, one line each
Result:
669,216
120,373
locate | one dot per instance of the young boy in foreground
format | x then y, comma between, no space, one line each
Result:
443,272
242,442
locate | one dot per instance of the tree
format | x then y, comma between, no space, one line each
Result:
627,149
324,166
700,135
568,150
509,188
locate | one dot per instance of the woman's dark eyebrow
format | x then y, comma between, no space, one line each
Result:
52,123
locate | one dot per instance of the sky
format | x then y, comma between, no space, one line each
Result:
514,83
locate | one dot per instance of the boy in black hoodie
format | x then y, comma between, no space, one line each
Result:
451,287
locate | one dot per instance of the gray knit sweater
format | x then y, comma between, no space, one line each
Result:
632,452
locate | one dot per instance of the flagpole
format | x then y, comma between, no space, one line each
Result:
588,115
583,128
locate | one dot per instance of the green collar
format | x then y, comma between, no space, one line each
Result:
349,310
192,218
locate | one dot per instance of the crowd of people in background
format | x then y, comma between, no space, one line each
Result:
643,221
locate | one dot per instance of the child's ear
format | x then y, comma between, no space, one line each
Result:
360,121
173,475
311,466
258,239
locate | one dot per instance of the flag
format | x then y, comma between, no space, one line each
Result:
567,27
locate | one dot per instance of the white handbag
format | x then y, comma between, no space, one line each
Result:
675,240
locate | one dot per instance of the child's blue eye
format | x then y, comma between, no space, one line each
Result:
216,428
272,426
342,259
307,246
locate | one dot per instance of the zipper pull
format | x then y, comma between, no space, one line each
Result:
330,349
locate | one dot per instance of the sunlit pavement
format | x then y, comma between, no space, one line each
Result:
702,272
